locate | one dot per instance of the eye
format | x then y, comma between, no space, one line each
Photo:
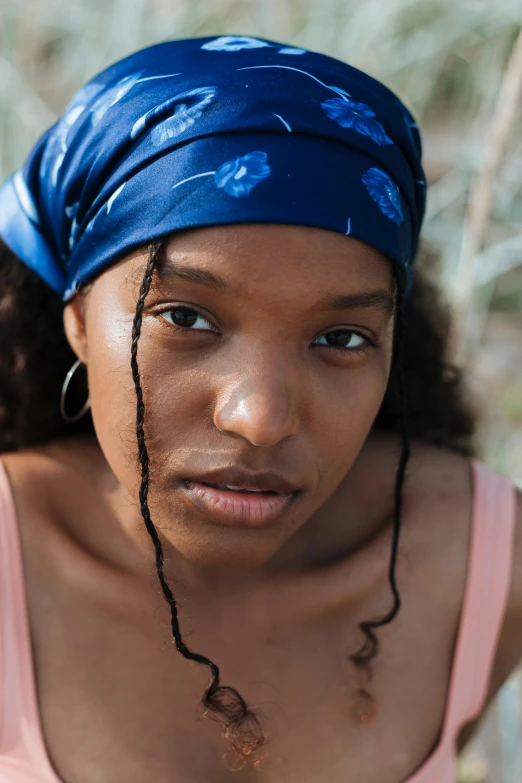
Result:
186,318
343,340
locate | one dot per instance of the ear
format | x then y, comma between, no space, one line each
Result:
74,326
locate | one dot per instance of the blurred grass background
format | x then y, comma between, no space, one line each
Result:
447,60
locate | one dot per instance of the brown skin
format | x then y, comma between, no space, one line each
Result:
255,392
277,610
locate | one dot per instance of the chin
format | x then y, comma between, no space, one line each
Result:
238,554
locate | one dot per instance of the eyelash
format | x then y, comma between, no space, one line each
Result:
370,342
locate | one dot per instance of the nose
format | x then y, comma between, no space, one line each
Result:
261,406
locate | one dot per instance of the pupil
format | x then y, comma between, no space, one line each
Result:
340,338
184,317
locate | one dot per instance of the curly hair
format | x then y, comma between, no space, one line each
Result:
425,399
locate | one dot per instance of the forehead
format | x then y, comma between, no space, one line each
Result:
258,240
300,258
281,250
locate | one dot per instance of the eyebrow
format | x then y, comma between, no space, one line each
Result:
168,269
378,298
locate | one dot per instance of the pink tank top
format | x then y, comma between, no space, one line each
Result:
23,753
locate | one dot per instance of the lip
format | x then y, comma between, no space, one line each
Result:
227,507
236,477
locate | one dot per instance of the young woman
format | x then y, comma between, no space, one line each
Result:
271,469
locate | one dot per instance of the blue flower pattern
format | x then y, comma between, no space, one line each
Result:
72,214
112,96
234,43
58,144
237,177
176,112
385,193
285,123
331,87
181,117
357,116
114,196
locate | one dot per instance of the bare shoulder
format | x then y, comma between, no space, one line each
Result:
436,515
439,491
30,477
438,506
437,480
45,476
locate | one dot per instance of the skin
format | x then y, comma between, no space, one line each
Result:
277,608
247,387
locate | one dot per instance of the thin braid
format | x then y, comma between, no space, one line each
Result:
370,646
242,727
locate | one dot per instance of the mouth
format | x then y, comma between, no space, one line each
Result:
243,506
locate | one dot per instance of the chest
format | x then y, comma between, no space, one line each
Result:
119,702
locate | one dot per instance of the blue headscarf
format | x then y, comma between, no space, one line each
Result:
212,131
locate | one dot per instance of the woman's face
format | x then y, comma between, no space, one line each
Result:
264,358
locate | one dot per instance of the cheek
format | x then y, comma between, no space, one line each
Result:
113,396
345,411
176,400
179,393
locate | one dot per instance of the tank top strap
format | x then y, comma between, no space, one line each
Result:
21,742
486,594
